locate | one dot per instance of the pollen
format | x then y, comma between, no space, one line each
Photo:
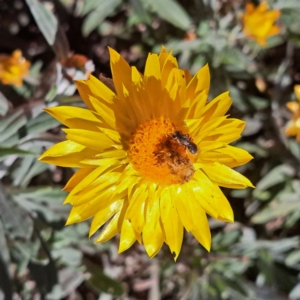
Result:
158,156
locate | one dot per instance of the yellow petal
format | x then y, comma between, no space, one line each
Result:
127,182
249,7
202,230
293,106
178,194
192,215
84,92
168,63
84,118
101,188
207,128
127,237
93,140
239,155
114,225
226,177
77,177
110,230
100,91
226,214
67,154
91,177
153,236
106,113
218,106
262,7
62,148
101,162
195,108
104,215
171,223
136,210
112,134
153,83
120,71
199,83
291,129
87,210
210,197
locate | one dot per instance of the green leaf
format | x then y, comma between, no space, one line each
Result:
47,201
90,5
96,17
3,246
16,222
258,102
29,167
253,125
293,258
69,280
14,151
254,149
36,169
43,194
45,275
68,256
277,175
3,105
45,20
11,123
41,123
178,46
276,247
287,4
140,11
278,209
295,293
245,102
5,282
233,57
290,18
36,68
294,147
101,282
172,12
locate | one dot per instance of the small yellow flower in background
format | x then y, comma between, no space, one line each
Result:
13,68
151,156
258,23
293,126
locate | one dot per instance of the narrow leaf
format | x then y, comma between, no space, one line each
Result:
45,20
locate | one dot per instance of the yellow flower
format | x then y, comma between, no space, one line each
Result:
259,23
13,68
293,126
151,155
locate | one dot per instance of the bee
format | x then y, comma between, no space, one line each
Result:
185,140
181,167
169,152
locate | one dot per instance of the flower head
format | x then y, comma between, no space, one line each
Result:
293,126
151,156
75,63
258,23
13,68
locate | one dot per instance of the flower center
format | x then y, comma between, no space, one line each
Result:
161,153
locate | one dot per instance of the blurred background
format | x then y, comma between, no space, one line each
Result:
47,44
